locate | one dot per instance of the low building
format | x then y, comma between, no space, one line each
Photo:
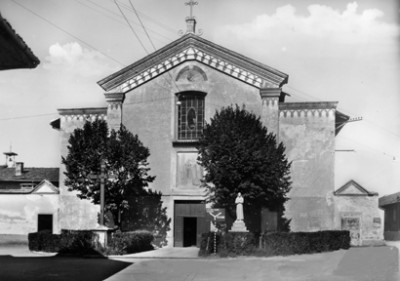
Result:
357,210
391,206
29,199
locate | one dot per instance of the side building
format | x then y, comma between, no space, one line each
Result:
391,206
28,199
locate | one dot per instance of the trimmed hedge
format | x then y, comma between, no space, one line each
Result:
228,244
289,243
122,243
44,241
74,242
84,242
273,244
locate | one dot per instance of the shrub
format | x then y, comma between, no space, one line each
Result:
78,242
228,244
74,242
281,243
122,243
207,243
44,241
277,243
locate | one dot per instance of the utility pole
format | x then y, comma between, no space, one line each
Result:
103,176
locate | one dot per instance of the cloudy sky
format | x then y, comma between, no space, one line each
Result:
332,50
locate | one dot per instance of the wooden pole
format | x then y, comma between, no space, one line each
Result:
102,183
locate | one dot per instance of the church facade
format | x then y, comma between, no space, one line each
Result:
166,98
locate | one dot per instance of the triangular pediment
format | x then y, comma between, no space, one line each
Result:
352,188
193,48
45,187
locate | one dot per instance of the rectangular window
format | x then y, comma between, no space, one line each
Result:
190,115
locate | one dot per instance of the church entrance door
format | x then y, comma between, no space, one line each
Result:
189,223
189,232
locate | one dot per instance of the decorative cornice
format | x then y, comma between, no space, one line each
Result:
83,114
193,48
308,105
270,92
307,109
82,111
115,97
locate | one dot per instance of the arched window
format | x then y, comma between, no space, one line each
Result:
190,115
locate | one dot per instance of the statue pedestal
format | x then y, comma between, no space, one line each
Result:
238,226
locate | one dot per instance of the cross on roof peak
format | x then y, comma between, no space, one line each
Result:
191,3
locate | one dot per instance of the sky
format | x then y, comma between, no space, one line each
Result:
345,51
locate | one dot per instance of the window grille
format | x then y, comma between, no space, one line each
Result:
190,115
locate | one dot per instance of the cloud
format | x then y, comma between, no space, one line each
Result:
349,27
71,57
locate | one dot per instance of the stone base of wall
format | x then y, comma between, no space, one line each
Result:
392,235
373,243
13,239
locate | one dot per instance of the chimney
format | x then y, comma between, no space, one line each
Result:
10,159
19,169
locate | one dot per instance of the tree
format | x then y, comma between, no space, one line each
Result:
239,155
125,159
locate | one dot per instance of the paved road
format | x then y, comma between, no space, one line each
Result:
356,264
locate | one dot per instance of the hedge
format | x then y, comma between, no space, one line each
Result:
44,241
75,242
273,244
122,243
84,242
289,243
228,244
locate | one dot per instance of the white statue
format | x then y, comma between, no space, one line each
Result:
239,207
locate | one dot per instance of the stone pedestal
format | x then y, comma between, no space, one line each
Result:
239,226
102,233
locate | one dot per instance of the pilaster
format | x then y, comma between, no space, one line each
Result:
270,109
114,109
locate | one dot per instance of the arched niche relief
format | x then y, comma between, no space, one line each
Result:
191,73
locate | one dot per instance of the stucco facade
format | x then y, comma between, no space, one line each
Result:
20,213
146,97
357,210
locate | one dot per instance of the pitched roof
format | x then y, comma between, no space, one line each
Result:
191,47
352,188
389,199
35,175
14,52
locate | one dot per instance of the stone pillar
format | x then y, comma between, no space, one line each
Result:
114,110
270,109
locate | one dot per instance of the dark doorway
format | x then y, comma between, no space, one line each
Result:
45,222
189,231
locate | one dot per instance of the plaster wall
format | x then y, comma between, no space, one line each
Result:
19,212
150,111
309,137
363,207
75,213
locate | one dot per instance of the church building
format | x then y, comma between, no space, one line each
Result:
167,97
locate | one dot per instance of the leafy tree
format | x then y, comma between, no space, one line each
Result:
125,160
239,155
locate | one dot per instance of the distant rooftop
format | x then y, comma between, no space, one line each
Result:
35,175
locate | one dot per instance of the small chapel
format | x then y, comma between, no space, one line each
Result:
167,97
